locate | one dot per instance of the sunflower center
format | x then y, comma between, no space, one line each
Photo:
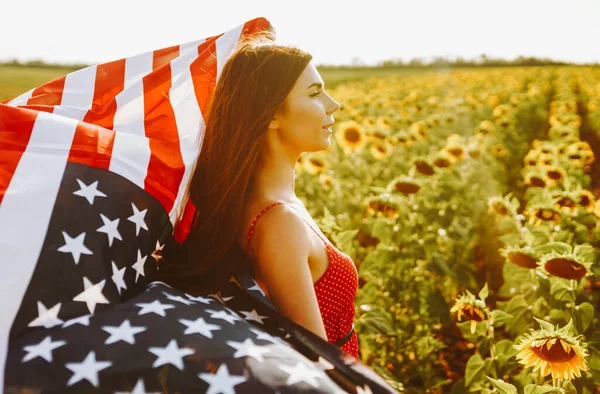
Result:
555,354
316,163
471,312
537,181
554,175
522,260
565,268
352,135
424,168
407,187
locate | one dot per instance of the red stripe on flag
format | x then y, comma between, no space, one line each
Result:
166,167
91,146
49,93
16,125
164,56
204,72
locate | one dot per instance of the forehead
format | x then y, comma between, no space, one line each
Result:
309,75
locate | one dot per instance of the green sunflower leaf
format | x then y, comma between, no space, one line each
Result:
502,386
474,369
483,294
585,314
534,389
561,291
500,317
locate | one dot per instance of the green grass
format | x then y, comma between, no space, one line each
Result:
17,80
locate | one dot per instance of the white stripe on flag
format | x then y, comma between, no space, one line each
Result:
22,99
225,46
183,48
131,149
79,92
189,121
25,214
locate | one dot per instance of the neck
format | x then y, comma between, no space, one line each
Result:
274,178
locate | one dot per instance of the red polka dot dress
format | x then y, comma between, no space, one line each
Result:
335,290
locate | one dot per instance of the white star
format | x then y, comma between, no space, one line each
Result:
74,246
43,349
139,388
138,219
46,317
201,299
363,390
254,316
157,251
138,266
89,192
87,369
248,348
92,294
199,326
266,336
155,306
223,315
171,354
124,332
221,382
178,298
117,277
83,320
302,373
324,364
110,229
257,288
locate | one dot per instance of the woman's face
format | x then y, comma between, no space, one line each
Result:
305,119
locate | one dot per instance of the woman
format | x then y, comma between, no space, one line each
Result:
268,107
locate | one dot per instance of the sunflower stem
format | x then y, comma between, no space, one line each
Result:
490,332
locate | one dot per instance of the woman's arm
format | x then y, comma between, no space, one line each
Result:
281,246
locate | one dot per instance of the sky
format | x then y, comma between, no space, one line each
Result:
334,32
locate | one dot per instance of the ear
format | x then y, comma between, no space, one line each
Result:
274,124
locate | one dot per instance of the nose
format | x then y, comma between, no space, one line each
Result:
334,106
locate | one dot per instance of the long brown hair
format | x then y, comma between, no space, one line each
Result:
253,84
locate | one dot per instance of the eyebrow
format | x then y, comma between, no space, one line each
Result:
317,84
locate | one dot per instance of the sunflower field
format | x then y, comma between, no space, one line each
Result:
470,202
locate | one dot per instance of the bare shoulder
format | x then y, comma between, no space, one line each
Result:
280,227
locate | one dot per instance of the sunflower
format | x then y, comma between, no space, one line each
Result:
423,167
314,164
587,200
498,150
553,351
502,206
419,128
505,122
486,127
403,137
501,111
404,184
442,160
468,307
350,136
492,101
383,122
381,206
326,180
534,178
380,150
522,256
555,174
572,265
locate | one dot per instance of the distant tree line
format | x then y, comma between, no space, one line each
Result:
356,63
444,62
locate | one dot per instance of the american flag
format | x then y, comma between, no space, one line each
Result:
93,173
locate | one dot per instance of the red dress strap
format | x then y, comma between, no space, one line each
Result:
251,229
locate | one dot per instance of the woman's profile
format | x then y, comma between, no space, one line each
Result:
268,107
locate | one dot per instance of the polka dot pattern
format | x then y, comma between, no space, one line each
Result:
335,289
